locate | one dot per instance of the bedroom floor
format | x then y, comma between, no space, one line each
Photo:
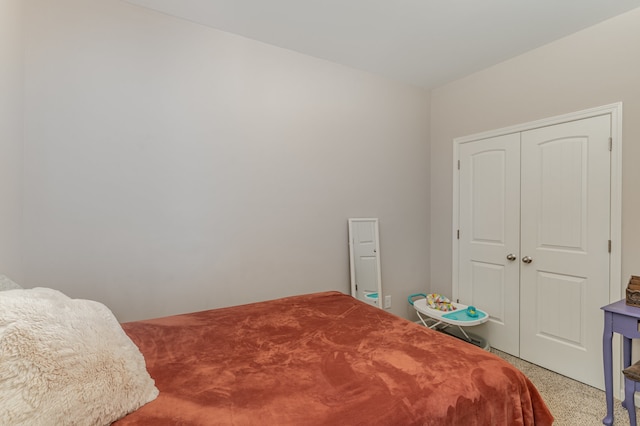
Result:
571,403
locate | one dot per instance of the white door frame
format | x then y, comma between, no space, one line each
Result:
615,271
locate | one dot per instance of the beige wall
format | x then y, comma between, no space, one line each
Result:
597,66
170,167
11,135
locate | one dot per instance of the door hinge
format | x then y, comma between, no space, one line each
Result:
609,246
610,144
458,164
458,234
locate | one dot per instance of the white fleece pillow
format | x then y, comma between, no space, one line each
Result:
66,362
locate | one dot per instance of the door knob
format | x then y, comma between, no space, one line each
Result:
527,259
511,257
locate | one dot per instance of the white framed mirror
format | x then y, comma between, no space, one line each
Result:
364,260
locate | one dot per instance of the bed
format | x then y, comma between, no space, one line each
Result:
322,359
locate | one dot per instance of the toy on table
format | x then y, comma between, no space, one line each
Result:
439,302
472,312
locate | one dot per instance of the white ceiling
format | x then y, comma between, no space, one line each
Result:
421,42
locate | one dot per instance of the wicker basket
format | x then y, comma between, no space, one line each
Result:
633,291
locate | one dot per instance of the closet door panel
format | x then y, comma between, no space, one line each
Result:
565,231
489,232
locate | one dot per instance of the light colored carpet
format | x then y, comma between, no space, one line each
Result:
571,403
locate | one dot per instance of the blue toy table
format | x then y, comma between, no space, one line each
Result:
459,317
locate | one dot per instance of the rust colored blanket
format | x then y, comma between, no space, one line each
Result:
323,359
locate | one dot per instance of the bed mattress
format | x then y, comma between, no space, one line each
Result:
323,359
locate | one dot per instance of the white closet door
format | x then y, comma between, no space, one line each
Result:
565,231
489,235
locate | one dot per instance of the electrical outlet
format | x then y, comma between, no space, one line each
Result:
387,301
